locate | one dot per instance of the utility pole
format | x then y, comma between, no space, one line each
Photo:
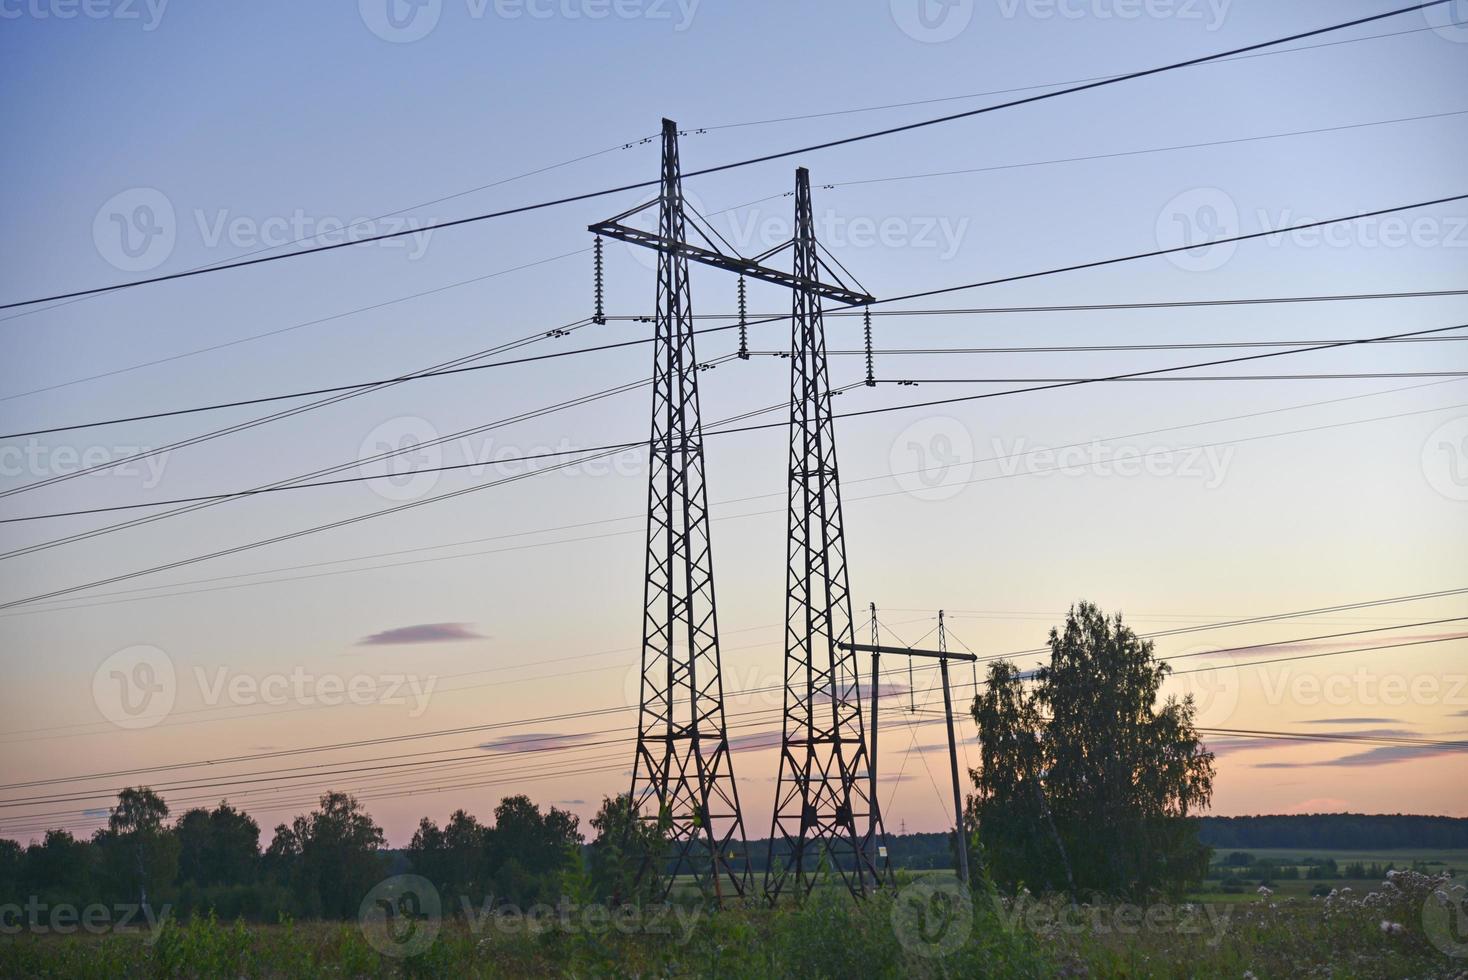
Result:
824,791
880,858
960,839
942,655
682,769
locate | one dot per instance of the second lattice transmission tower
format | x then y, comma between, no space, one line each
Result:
823,814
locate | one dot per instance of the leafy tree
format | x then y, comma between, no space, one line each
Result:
137,851
456,859
1088,779
427,853
12,860
626,856
332,854
1011,804
530,849
467,848
218,847
59,867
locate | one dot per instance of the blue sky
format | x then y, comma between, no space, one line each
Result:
253,124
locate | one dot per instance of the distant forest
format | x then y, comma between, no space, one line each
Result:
1336,831
1318,831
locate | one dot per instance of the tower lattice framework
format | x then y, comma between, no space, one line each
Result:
682,772
823,814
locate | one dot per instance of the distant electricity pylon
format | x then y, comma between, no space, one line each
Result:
682,771
824,815
682,748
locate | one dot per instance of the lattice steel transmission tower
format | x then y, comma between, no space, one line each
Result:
682,769
823,813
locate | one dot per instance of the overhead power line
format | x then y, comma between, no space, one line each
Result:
372,764
584,454
775,317
1155,253
1030,88
108,598
1358,376
295,410
764,158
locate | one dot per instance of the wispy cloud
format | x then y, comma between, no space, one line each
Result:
532,742
1227,746
1265,651
754,740
1349,721
1384,755
1319,804
421,633
864,691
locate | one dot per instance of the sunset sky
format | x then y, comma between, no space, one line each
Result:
494,636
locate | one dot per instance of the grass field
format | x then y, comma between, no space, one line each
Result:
927,926
1440,859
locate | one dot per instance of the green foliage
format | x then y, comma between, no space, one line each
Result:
627,855
135,853
1088,780
330,856
217,847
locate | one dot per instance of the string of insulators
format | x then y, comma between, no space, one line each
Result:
600,316
867,321
743,323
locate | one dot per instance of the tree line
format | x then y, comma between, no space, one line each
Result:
320,865
1336,831
1089,785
